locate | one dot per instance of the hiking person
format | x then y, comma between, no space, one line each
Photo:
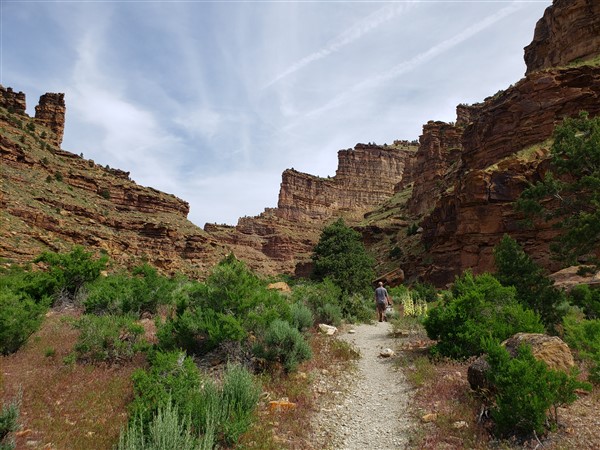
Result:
382,300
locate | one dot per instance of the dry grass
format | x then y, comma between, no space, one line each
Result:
292,429
65,406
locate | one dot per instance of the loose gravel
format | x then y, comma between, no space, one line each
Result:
370,410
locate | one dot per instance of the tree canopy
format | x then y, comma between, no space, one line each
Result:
572,184
341,256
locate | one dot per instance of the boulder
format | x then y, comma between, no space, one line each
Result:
550,349
327,329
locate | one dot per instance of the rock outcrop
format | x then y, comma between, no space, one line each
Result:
503,149
549,349
50,112
13,102
365,177
568,32
437,164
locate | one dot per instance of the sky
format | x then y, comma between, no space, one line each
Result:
212,100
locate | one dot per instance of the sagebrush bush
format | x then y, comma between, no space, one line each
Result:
525,390
20,316
166,431
9,423
301,317
107,338
218,415
323,299
357,308
476,308
283,344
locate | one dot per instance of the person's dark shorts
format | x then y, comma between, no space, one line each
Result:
381,307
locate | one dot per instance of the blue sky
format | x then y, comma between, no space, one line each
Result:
211,101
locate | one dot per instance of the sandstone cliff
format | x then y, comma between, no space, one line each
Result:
504,148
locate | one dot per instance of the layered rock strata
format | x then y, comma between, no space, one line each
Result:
569,31
50,112
13,102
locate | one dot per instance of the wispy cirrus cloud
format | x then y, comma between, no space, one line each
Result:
347,37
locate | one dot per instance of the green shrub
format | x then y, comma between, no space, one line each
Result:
283,344
69,272
218,415
166,430
583,336
587,299
424,291
20,316
323,299
525,390
301,316
534,289
476,308
357,308
107,338
199,331
141,292
9,423
341,256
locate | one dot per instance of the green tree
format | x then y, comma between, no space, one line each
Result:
534,289
572,183
341,256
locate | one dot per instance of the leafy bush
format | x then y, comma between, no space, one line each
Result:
69,272
232,302
413,305
107,338
584,337
341,256
357,308
20,316
123,294
283,344
218,415
587,299
525,389
534,289
9,423
323,299
425,292
199,331
477,307
301,316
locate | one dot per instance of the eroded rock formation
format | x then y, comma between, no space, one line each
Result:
13,102
50,112
568,32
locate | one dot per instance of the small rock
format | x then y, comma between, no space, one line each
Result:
386,353
460,425
327,329
351,331
281,405
431,417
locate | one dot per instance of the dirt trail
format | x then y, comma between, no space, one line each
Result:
371,411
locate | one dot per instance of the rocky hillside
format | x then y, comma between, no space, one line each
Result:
432,209
52,199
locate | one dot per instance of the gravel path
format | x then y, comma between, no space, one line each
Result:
371,412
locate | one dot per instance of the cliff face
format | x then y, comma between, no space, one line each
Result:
281,239
504,147
568,31
366,176
50,112
436,166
